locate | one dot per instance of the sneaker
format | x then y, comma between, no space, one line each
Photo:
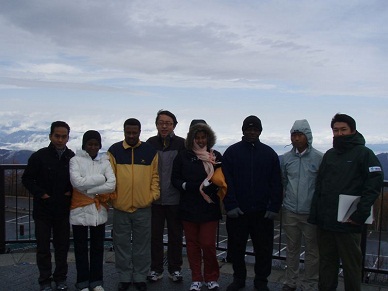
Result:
196,286
175,276
46,288
61,286
154,276
97,288
212,285
84,289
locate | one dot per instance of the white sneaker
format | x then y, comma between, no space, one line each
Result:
84,289
98,288
212,285
196,286
175,276
154,276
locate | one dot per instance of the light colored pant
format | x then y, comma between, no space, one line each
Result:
133,260
296,227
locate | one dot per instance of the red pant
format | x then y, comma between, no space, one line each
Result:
201,243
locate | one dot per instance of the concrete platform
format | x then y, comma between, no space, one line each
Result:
18,271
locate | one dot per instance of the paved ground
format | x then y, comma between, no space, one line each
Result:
19,272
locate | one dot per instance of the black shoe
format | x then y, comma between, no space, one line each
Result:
141,286
61,286
123,286
261,285
235,286
287,288
46,287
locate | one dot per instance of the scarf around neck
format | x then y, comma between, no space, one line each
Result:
209,160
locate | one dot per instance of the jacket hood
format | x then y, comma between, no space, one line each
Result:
84,154
304,127
211,136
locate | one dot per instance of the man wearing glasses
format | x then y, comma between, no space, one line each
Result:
166,208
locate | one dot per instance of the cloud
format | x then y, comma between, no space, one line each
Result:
96,63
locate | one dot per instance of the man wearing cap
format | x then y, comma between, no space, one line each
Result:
252,202
299,172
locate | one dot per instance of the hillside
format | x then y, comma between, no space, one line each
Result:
21,157
14,157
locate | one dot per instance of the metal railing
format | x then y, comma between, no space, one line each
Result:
16,225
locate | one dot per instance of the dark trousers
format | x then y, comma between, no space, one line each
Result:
261,231
333,247
60,229
160,215
89,275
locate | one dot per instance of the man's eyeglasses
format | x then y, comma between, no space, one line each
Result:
167,123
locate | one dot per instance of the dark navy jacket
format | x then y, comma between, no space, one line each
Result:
252,173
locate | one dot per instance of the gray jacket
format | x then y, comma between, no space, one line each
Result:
299,172
168,149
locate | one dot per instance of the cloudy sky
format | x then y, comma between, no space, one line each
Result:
96,63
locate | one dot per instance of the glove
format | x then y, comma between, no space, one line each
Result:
270,215
234,213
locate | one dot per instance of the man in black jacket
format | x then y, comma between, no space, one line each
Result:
47,179
348,168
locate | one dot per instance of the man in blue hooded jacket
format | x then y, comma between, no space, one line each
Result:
299,172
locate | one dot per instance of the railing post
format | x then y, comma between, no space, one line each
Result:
2,210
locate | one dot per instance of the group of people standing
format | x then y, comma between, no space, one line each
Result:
186,185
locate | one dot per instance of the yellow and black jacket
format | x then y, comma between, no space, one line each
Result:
137,179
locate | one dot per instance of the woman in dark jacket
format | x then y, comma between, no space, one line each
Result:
199,203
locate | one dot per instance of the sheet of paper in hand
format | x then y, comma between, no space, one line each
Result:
347,205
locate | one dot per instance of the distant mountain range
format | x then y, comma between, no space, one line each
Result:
21,157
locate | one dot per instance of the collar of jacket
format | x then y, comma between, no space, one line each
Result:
127,146
254,144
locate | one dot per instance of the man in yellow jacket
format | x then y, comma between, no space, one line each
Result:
135,165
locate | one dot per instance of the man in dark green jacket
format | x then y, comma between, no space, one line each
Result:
348,168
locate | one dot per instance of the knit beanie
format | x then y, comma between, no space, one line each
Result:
91,134
252,121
